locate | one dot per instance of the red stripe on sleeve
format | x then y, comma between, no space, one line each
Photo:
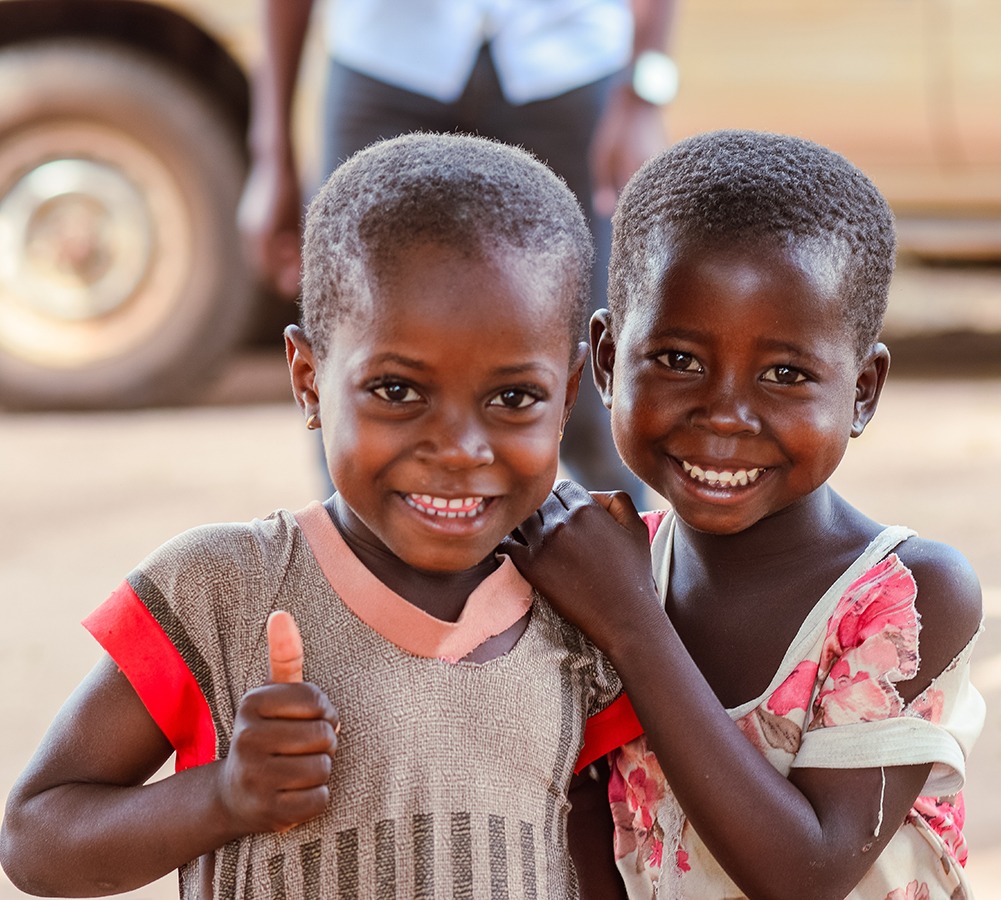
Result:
614,726
134,639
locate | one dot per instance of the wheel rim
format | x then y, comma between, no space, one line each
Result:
76,238
93,253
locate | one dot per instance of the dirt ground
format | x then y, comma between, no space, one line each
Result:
84,497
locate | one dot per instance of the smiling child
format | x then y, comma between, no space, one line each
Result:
429,750
804,707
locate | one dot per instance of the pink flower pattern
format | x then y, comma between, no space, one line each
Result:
871,643
795,690
913,891
635,790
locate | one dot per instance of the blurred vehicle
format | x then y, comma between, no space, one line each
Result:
909,90
122,158
121,163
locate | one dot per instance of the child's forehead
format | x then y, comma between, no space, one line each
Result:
436,274
735,267
824,261
443,294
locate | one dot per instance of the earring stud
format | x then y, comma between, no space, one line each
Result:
313,422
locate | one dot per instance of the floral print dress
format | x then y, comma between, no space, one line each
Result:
832,704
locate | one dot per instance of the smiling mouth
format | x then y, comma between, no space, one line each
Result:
446,507
726,478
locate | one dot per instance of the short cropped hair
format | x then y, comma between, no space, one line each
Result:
477,195
726,186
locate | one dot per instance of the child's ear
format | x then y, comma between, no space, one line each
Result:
869,386
302,369
602,354
573,382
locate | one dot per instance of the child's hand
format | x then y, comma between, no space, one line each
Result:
284,648
589,556
284,738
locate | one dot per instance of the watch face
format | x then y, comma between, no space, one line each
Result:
655,78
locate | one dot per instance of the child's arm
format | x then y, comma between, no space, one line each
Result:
81,821
809,835
589,831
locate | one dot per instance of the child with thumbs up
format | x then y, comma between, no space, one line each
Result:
418,740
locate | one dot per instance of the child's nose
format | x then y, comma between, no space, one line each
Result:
727,408
456,441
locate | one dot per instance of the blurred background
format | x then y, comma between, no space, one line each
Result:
142,385
122,157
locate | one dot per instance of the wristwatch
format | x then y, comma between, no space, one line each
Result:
655,78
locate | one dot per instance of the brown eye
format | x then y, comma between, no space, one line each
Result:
395,392
514,399
680,361
784,375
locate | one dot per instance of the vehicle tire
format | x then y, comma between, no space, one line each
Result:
121,282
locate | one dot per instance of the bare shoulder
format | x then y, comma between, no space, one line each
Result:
949,600
945,578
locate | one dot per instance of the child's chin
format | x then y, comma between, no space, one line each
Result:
449,556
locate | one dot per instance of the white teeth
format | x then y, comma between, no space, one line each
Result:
455,508
741,477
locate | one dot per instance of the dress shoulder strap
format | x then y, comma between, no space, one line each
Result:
879,547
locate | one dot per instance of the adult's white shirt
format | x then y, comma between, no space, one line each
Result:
540,48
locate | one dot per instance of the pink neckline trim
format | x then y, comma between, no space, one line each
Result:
497,603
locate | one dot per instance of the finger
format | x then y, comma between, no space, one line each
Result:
604,200
297,773
297,737
298,806
528,531
571,494
516,537
621,506
603,498
293,700
284,648
623,510
603,189
288,265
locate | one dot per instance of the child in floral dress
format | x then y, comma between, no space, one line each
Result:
803,712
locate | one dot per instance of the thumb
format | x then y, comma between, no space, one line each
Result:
621,508
284,648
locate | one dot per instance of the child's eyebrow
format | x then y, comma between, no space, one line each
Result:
684,334
399,359
698,336
523,368
788,347
515,369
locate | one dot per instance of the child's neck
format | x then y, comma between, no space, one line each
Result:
440,594
821,519
737,601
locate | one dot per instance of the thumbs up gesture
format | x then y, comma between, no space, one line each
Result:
284,737
284,648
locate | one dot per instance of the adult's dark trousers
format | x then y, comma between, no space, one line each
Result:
360,110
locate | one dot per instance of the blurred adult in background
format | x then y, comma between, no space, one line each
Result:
580,83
